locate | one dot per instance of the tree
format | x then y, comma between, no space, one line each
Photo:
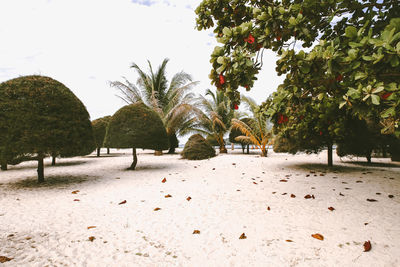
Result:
216,118
197,148
255,131
354,67
171,101
42,117
99,130
235,132
136,126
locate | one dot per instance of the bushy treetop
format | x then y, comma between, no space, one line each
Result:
99,129
136,126
41,115
197,148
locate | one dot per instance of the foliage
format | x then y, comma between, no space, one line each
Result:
136,126
173,101
99,130
197,148
256,130
349,70
40,116
216,118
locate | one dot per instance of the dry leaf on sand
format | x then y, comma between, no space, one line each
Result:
283,181
288,240
196,232
76,199
243,236
292,196
188,198
92,238
156,209
75,192
167,196
318,236
122,202
4,259
371,200
331,208
164,180
367,246
91,227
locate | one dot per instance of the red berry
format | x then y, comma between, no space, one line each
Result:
236,106
249,39
339,78
278,38
386,95
320,132
221,79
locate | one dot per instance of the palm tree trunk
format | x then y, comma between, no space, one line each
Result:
134,162
40,169
264,152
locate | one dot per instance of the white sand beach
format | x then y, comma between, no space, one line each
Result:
46,225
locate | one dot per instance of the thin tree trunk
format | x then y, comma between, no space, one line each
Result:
243,147
248,149
98,151
264,152
134,162
233,146
4,165
171,150
40,169
108,150
53,161
330,155
222,149
368,156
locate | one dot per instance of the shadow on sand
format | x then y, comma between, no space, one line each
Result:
113,155
51,181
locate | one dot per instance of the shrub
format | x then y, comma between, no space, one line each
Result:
197,148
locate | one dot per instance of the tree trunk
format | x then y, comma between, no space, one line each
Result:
243,147
133,165
248,149
4,165
158,153
222,149
98,151
171,150
264,153
40,169
108,150
368,156
233,146
53,161
330,155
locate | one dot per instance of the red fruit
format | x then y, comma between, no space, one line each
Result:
301,12
249,39
236,106
278,38
221,79
386,95
320,133
246,86
339,78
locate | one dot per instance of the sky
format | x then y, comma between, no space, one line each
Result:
85,44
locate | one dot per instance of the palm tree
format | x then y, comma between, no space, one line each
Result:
257,130
173,101
216,118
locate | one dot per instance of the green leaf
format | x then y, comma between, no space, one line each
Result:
388,112
367,58
394,62
353,93
292,21
221,60
375,99
321,96
360,75
351,32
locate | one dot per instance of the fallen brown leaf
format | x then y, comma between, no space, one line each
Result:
284,194
167,196
76,199
164,180
196,232
307,196
75,192
243,236
340,194
331,208
292,196
122,202
254,183
367,246
91,227
188,198
318,236
371,200
390,196
268,208
4,259
283,181
312,196
156,209
92,238
288,240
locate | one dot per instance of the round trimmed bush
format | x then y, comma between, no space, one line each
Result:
197,148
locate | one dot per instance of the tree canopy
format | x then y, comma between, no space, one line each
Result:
197,148
41,117
349,66
99,130
136,126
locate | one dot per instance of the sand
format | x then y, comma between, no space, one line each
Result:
230,195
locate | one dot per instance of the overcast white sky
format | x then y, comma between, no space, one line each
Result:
86,43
